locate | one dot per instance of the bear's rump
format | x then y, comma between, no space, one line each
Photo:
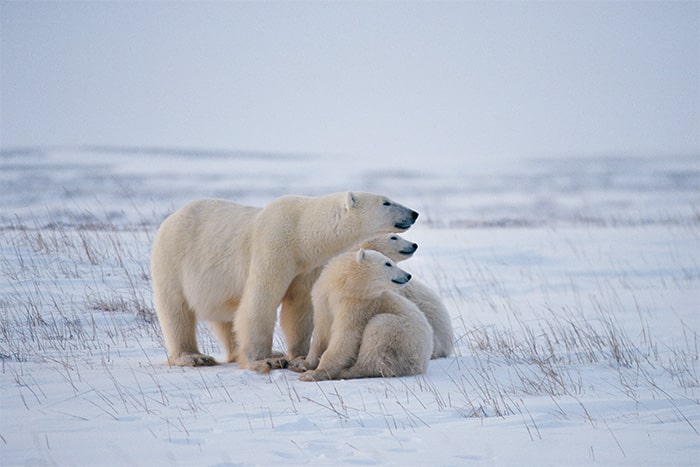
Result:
390,347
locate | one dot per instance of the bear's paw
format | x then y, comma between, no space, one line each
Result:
315,375
192,359
267,364
300,365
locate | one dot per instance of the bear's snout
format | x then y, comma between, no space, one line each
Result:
402,280
406,217
409,251
407,222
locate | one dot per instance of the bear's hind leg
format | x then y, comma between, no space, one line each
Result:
356,371
179,325
223,330
389,349
297,315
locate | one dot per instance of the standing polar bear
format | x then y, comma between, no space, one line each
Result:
399,249
232,265
373,330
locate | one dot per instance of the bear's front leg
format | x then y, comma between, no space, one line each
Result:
255,320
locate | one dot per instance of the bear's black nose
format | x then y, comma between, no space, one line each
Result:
415,246
414,215
408,277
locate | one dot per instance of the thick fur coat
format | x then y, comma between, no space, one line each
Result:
233,265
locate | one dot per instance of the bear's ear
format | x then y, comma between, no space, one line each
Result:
350,200
360,256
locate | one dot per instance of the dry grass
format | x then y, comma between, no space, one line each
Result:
79,297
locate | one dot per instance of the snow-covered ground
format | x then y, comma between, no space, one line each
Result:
573,287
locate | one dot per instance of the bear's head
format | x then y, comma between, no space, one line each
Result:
361,275
393,246
374,273
378,214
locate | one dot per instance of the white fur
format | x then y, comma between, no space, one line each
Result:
399,249
223,262
367,329
432,307
393,246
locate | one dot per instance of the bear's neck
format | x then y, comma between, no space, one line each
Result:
352,285
332,238
357,298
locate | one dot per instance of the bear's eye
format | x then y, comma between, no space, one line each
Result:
387,203
387,264
394,237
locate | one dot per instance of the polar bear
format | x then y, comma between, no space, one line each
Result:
373,330
232,265
399,249
393,246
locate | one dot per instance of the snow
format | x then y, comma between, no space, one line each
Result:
572,287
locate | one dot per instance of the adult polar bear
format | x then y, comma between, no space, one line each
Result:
232,265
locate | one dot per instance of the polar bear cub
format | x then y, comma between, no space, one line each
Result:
233,265
393,246
374,332
399,249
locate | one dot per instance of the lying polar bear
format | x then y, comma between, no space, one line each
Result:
374,331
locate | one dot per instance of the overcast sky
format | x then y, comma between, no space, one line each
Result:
363,79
